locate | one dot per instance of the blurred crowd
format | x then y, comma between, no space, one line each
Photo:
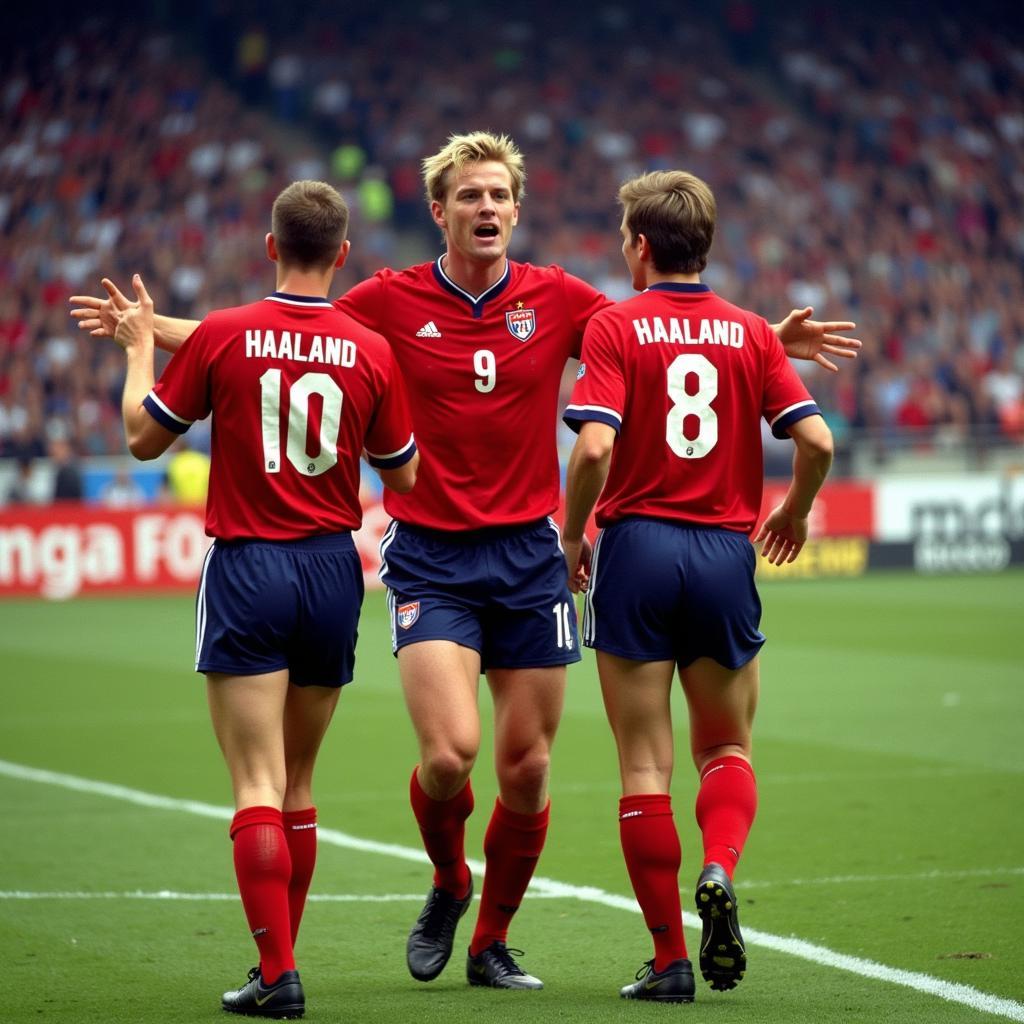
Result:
867,165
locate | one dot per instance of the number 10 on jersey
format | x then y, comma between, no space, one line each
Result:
298,422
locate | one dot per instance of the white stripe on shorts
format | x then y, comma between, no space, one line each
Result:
589,622
201,604
386,542
394,623
558,534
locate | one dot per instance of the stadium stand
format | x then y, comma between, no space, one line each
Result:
868,165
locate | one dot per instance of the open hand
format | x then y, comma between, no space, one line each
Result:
134,323
803,338
99,316
783,535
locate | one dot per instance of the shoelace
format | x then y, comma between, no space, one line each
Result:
503,955
442,914
646,968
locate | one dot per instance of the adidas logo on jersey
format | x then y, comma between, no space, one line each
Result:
428,330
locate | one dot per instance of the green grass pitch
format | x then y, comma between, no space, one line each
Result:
890,756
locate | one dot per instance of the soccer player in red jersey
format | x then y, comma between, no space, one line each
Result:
671,390
473,563
298,390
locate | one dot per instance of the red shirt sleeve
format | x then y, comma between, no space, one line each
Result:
182,394
785,398
600,390
389,439
582,302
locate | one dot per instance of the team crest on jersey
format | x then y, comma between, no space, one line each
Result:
521,323
407,614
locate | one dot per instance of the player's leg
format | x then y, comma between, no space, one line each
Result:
631,621
247,619
718,666
247,714
637,701
530,637
721,703
440,681
527,708
321,659
307,714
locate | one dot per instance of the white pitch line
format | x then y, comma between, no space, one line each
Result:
205,897
226,897
951,992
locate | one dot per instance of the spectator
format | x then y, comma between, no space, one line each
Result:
879,176
67,480
20,491
188,475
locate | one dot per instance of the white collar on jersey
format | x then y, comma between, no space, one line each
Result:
474,299
299,300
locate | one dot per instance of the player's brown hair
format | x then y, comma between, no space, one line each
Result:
309,221
469,149
675,211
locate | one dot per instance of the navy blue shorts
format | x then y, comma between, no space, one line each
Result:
267,605
503,592
663,591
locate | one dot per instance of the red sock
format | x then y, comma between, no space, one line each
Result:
650,845
726,805
263,868
443,827
512,846
300,834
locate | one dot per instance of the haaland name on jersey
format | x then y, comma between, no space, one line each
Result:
677,332
333,351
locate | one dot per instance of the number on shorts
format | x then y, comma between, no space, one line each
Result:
563,624
698,404
298,422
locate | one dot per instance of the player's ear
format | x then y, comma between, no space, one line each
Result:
271,248
437,212
643,247
342,254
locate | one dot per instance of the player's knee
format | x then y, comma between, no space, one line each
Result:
526,773
448,767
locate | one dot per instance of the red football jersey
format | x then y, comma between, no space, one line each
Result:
297,390
684,377
483,374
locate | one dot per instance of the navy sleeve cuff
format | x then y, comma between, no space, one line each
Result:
164,416
394,459
789,416
576,415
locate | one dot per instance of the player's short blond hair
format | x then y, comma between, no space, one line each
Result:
470,149
309,221
676,212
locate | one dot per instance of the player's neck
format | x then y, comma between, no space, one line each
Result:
304,282
653,277
470,275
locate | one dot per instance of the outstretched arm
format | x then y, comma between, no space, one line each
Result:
803,338
584,479
99,316
785,529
